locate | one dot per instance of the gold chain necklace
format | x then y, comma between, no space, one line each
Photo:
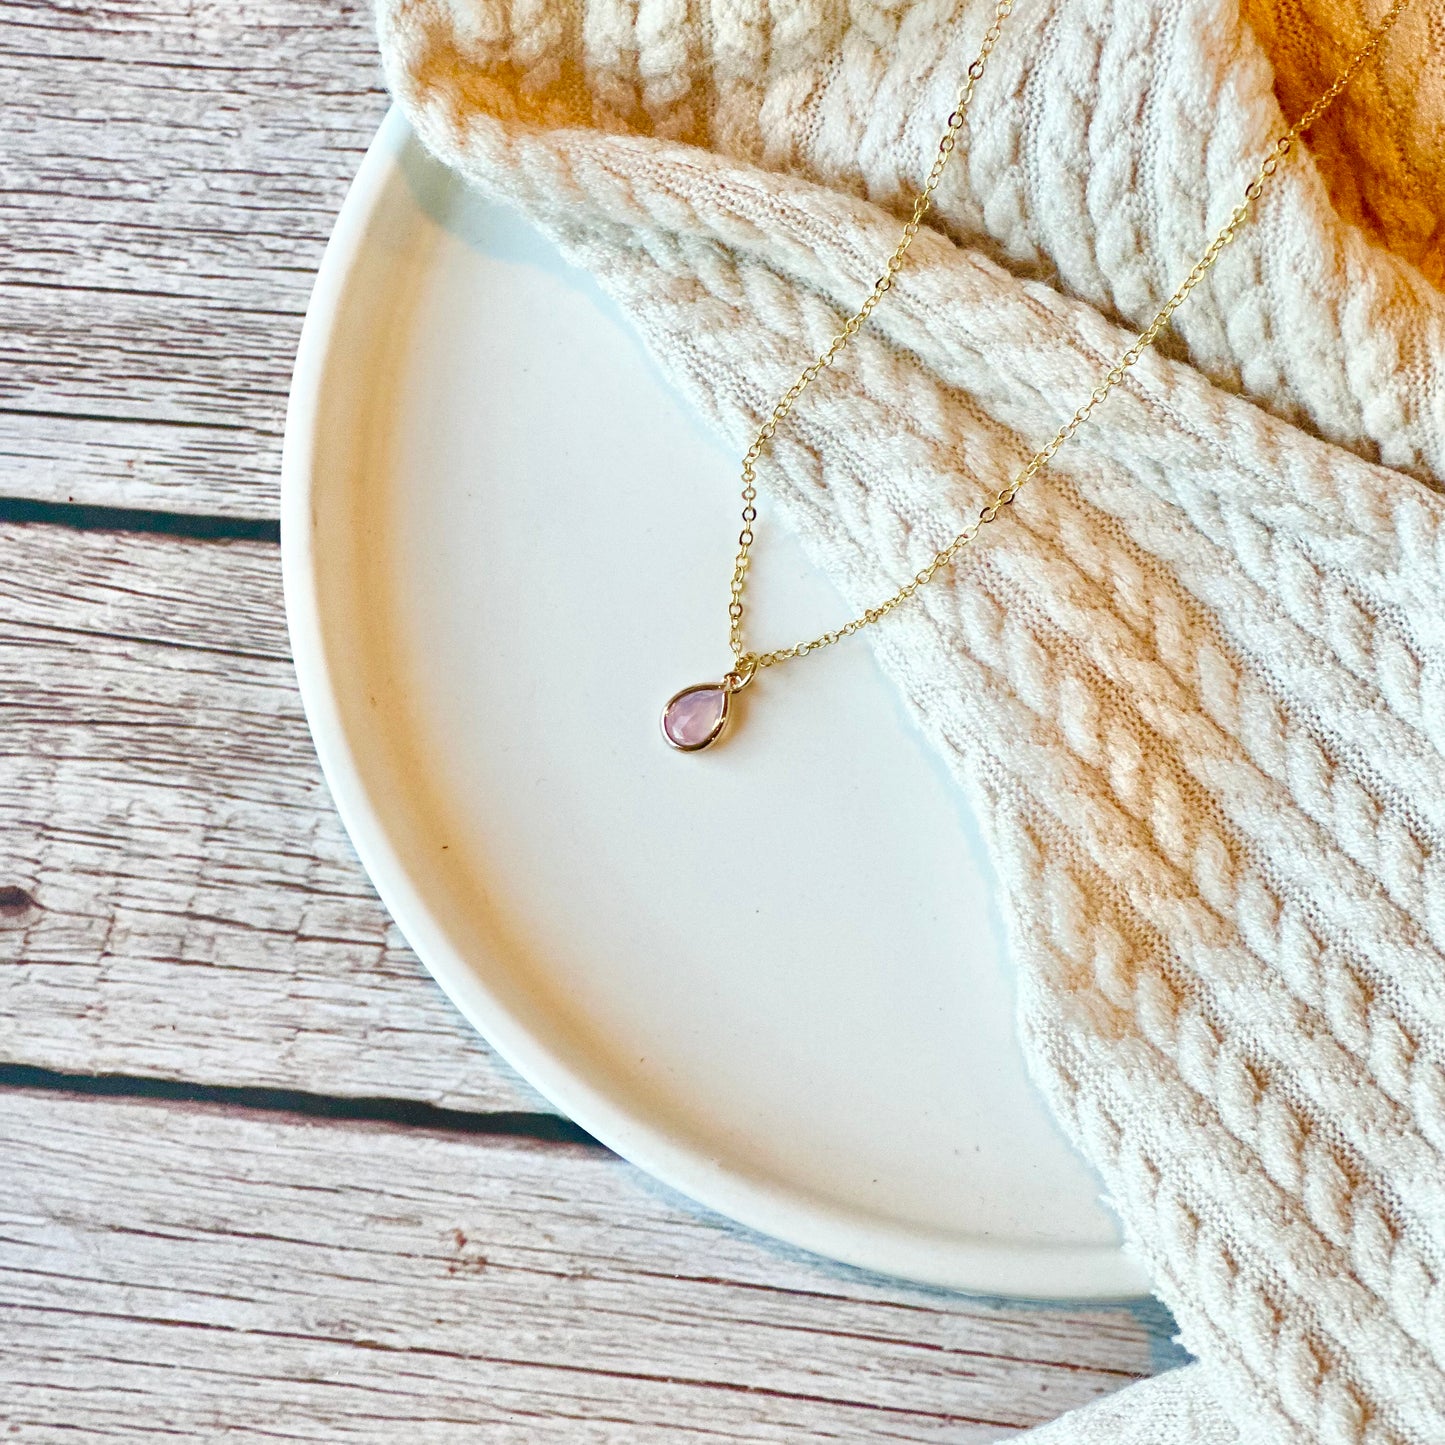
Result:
697,716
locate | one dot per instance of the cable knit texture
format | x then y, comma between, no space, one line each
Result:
1194,680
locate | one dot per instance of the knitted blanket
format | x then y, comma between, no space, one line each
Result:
1193,682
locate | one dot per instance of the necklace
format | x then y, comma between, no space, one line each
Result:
698,715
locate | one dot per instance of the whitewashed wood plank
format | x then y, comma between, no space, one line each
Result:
182,143
177,896
138,462
185,1272
172,171
66,351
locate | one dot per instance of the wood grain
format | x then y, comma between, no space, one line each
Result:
177,896
175,1272
173,168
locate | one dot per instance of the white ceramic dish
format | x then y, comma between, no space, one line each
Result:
769,974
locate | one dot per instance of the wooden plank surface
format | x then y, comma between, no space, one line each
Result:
173,168
182,901
173,1270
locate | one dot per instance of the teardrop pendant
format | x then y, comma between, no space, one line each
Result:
696,717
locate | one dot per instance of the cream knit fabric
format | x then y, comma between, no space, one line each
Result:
1194,681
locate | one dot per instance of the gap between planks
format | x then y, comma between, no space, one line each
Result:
301,1104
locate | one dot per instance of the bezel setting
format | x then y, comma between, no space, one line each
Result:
718,728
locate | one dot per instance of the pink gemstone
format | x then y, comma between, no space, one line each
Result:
695,717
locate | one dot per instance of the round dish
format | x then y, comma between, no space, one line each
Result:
769,974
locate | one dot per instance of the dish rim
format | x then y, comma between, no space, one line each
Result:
917,1253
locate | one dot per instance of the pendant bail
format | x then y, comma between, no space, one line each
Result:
742,674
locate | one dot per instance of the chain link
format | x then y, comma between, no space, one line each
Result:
750,661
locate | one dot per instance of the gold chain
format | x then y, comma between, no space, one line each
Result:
748,662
